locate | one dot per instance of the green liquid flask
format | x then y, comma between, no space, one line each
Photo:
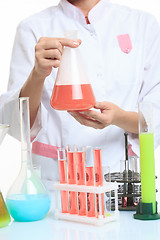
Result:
147,208
4,214
27,199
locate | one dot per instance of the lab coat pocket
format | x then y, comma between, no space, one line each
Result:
125,43
126,60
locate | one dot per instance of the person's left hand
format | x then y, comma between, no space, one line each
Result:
109,115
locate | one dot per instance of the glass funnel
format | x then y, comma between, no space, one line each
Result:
27,199
72,89
4,214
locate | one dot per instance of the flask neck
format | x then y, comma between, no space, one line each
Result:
26,159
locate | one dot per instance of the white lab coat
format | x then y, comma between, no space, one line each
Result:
121,71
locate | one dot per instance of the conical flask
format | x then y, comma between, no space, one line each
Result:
27,199
4,214
72,89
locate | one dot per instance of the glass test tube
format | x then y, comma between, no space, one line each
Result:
124,179
98,178
80,159
107,195
90,180
63,178
71,163
146,139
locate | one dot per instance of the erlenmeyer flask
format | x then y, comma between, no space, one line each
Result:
27,199
72,89
4,214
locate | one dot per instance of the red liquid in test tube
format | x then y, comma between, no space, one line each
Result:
90,196
98,176
81,181
63,179
72,180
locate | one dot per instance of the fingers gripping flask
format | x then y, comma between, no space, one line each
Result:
72,89
27,199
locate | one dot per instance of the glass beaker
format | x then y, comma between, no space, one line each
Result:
27,199
4,214
72,89
147,165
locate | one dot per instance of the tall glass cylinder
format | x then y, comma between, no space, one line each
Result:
146,139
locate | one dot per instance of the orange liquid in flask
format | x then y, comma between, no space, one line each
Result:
72,97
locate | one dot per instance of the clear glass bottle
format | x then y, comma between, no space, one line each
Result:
4,214
72,89
27,199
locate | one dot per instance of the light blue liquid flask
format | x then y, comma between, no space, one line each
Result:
27,199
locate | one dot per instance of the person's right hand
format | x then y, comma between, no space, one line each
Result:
48,52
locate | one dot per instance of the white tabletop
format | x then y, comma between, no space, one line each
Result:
126,228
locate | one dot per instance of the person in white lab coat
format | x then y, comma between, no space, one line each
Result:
121,49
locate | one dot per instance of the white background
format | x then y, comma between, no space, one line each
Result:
11,13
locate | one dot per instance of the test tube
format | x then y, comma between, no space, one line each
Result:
72,176
98,178
107,195
146,139
63,178
80,159
90,180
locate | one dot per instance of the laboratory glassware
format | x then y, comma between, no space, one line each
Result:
4,214
80,163
63,178
147,208
90,181
72,89
98,176
27,199
72,177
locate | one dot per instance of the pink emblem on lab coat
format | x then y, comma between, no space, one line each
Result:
125,43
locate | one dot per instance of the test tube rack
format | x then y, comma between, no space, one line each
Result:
100,219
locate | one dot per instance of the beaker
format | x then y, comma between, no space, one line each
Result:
4,214
72,89
147,164
27,199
